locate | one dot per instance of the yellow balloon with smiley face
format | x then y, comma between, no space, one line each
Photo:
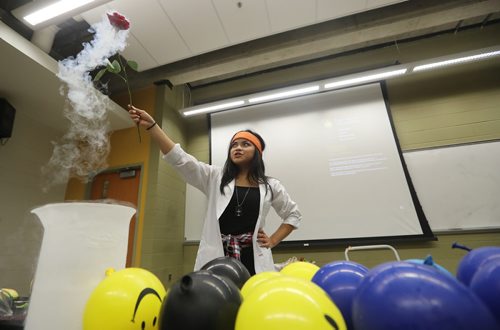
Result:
127,299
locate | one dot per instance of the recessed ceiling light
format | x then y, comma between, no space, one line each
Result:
53,10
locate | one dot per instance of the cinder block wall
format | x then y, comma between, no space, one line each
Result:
163,235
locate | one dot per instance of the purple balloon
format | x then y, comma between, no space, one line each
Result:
473,260
404,295
486,284
340,280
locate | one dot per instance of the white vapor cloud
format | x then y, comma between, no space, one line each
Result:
83,149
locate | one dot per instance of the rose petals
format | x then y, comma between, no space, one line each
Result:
118,21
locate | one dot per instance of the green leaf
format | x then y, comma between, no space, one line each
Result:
100,74
114,67
133,65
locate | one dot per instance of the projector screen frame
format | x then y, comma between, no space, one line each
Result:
427,234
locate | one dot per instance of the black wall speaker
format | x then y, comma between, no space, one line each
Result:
7,114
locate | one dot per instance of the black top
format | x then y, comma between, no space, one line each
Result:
230,223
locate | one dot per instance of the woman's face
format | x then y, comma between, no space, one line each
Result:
241,152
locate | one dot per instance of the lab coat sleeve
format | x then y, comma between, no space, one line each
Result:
284,206
193,171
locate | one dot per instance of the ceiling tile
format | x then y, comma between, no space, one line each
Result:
328,9
153,29
248,22
135,51
290,14
197,23
165,31
94,15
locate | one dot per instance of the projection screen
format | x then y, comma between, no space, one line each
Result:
337,156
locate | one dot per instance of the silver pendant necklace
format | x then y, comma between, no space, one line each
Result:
239,210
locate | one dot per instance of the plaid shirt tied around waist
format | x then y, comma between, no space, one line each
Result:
234,243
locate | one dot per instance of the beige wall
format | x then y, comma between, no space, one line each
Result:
453,106
21,160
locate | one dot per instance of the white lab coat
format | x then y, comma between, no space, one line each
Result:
207,179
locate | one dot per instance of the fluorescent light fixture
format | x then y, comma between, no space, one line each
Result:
53,10
285,94
364,79
459,60
213,108
345,81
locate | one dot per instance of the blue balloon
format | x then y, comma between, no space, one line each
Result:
404,295
340,280
486,285
430,262
473,260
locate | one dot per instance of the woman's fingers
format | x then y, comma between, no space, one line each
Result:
263,239
135,114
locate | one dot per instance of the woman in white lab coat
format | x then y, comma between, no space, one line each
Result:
239,198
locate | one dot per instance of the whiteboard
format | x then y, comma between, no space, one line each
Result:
458,186
336,154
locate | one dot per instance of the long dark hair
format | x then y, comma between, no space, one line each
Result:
257,171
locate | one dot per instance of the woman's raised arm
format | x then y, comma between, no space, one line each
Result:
145,120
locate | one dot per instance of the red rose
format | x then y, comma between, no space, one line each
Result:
118,21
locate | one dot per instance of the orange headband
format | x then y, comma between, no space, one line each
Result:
250,137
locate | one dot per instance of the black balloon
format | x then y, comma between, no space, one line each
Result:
200,301
230,268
